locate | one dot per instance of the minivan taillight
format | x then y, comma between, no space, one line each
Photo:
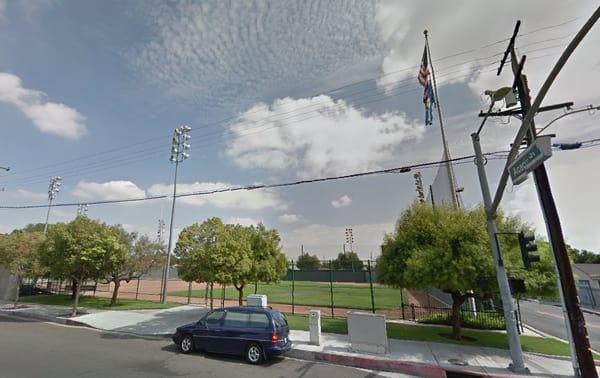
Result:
274,339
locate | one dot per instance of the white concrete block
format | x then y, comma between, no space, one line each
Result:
367,333
257,300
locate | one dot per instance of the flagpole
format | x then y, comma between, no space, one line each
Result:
444,141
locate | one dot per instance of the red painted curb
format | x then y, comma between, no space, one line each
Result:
376,364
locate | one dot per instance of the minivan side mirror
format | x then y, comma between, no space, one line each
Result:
201,323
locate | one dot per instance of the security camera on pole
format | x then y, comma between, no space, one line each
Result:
53,189
179,152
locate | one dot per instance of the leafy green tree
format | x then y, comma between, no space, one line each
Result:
449,249
308,262
142,255
80,250
19,253
347,261
583,256
269,264
196,250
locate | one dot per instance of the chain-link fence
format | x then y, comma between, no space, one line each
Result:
333,291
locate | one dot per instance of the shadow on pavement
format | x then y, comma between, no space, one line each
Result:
273,361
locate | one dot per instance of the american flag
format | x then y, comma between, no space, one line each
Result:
428,96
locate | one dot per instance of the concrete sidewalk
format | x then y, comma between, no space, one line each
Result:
423,359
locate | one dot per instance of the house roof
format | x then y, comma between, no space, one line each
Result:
592,270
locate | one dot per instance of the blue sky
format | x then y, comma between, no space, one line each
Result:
92,90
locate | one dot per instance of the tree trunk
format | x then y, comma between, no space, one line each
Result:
17,291
457,301
77,286
240,290
255,287
74,288
206,294
113,300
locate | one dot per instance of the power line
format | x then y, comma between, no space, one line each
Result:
403,169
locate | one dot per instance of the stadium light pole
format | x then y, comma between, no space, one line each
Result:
53,189
179,152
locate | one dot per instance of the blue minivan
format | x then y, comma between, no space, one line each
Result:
254,332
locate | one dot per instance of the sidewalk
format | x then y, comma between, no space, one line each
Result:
425,359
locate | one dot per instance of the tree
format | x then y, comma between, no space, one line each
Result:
449,249
269,264
19,253
80,250
347,261
141,256
308,262
196,250
583,256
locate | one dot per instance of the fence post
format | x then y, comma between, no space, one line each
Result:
293,288
223,296
137,289
189,299
371,285
412,310
331,285
402,303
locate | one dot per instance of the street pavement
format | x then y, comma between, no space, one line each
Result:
549,319
37,349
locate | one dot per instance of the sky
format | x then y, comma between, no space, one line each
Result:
280,91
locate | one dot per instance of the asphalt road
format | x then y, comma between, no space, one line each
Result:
35,349
549,319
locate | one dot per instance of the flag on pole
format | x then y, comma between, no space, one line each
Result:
428,96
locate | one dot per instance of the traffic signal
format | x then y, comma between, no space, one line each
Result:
419,186
527,244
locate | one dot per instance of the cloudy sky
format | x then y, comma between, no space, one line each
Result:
279,91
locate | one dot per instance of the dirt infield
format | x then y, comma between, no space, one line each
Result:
150,290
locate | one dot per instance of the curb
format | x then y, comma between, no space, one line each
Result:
369,363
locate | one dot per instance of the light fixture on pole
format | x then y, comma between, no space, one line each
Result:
53,189
349,238
82,209
179,152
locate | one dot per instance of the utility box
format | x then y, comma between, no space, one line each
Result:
257,300
367,333
314,327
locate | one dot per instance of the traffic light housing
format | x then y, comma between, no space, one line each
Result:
527,245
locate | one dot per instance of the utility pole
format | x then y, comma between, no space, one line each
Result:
53,189
576,330
179,152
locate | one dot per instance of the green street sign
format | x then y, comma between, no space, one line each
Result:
530,159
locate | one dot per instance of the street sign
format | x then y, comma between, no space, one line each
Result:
530,159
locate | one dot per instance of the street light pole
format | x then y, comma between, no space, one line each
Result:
53,189
516,352
179,152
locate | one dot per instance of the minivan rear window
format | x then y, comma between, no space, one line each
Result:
280,320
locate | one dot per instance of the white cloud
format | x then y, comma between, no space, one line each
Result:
110,190
243,221
289,218
256,199
337,138
221,53
343,201
49,117
28,195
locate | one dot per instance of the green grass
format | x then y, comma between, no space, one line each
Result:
483,320
315,294
542,345
97,303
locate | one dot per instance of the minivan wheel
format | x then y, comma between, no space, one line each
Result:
186,345
254,354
